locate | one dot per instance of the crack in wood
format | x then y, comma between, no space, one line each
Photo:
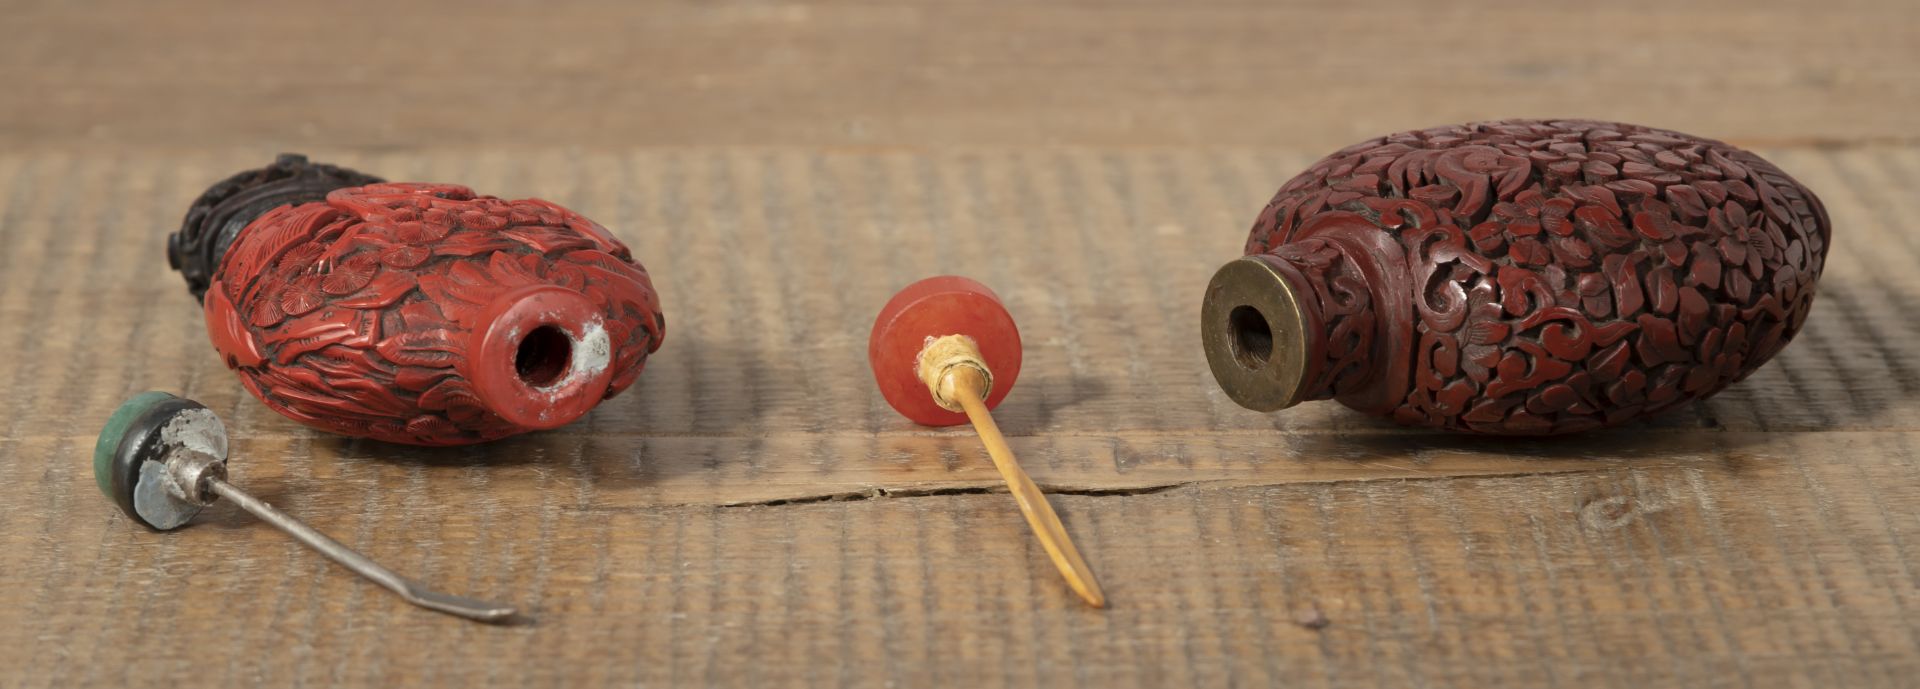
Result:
902,493
878,492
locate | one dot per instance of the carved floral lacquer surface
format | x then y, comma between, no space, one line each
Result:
1544,276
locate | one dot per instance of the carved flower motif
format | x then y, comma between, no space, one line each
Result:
302,295
350,275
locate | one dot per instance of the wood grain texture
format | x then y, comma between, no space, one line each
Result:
1298,74
753,514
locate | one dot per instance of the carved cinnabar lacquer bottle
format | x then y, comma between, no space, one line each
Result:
1517,277
413,313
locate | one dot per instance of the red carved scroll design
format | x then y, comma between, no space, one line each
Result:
1565,275
1343,299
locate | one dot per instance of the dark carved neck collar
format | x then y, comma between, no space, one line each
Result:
227,207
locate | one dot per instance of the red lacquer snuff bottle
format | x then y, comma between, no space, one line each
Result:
413,313
1517,277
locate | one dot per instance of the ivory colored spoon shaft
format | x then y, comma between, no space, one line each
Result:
967,382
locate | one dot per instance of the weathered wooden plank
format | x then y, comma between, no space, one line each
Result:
376,75
1763,573
753,514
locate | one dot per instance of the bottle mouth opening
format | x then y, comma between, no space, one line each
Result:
1252,337
543,359
543,356
1257,335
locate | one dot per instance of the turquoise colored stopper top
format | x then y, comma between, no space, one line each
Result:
115,431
